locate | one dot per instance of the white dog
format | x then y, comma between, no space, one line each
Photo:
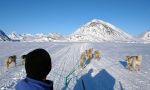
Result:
10,60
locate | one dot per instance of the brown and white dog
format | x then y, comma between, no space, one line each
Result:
89,53
23,61
10,60
82,59
134,62
97,54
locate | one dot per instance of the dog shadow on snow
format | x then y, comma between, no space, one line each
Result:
101,81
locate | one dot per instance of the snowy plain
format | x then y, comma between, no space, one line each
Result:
109,73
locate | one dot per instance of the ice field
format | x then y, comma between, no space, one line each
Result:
108,73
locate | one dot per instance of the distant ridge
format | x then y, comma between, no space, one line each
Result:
3,36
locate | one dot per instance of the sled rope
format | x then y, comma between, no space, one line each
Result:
67,79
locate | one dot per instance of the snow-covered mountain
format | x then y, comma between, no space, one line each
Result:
145,36
93,31
98,30
3,36
55,36
39,37
15,36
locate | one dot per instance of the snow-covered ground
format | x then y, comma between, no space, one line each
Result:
108,73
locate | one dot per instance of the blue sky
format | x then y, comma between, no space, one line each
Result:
65,16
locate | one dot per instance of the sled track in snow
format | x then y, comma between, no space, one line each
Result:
68,57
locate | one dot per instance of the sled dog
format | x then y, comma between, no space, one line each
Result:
134,62
82,59
90,53
97,54
23,59
10,59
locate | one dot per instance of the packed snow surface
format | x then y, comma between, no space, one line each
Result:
108,73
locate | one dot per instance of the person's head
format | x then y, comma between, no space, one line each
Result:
37,64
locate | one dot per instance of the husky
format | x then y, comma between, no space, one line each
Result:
86,53
90,53
134,62
10,59
23,59
97,54
82,59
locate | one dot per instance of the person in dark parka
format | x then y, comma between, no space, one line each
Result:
37,66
